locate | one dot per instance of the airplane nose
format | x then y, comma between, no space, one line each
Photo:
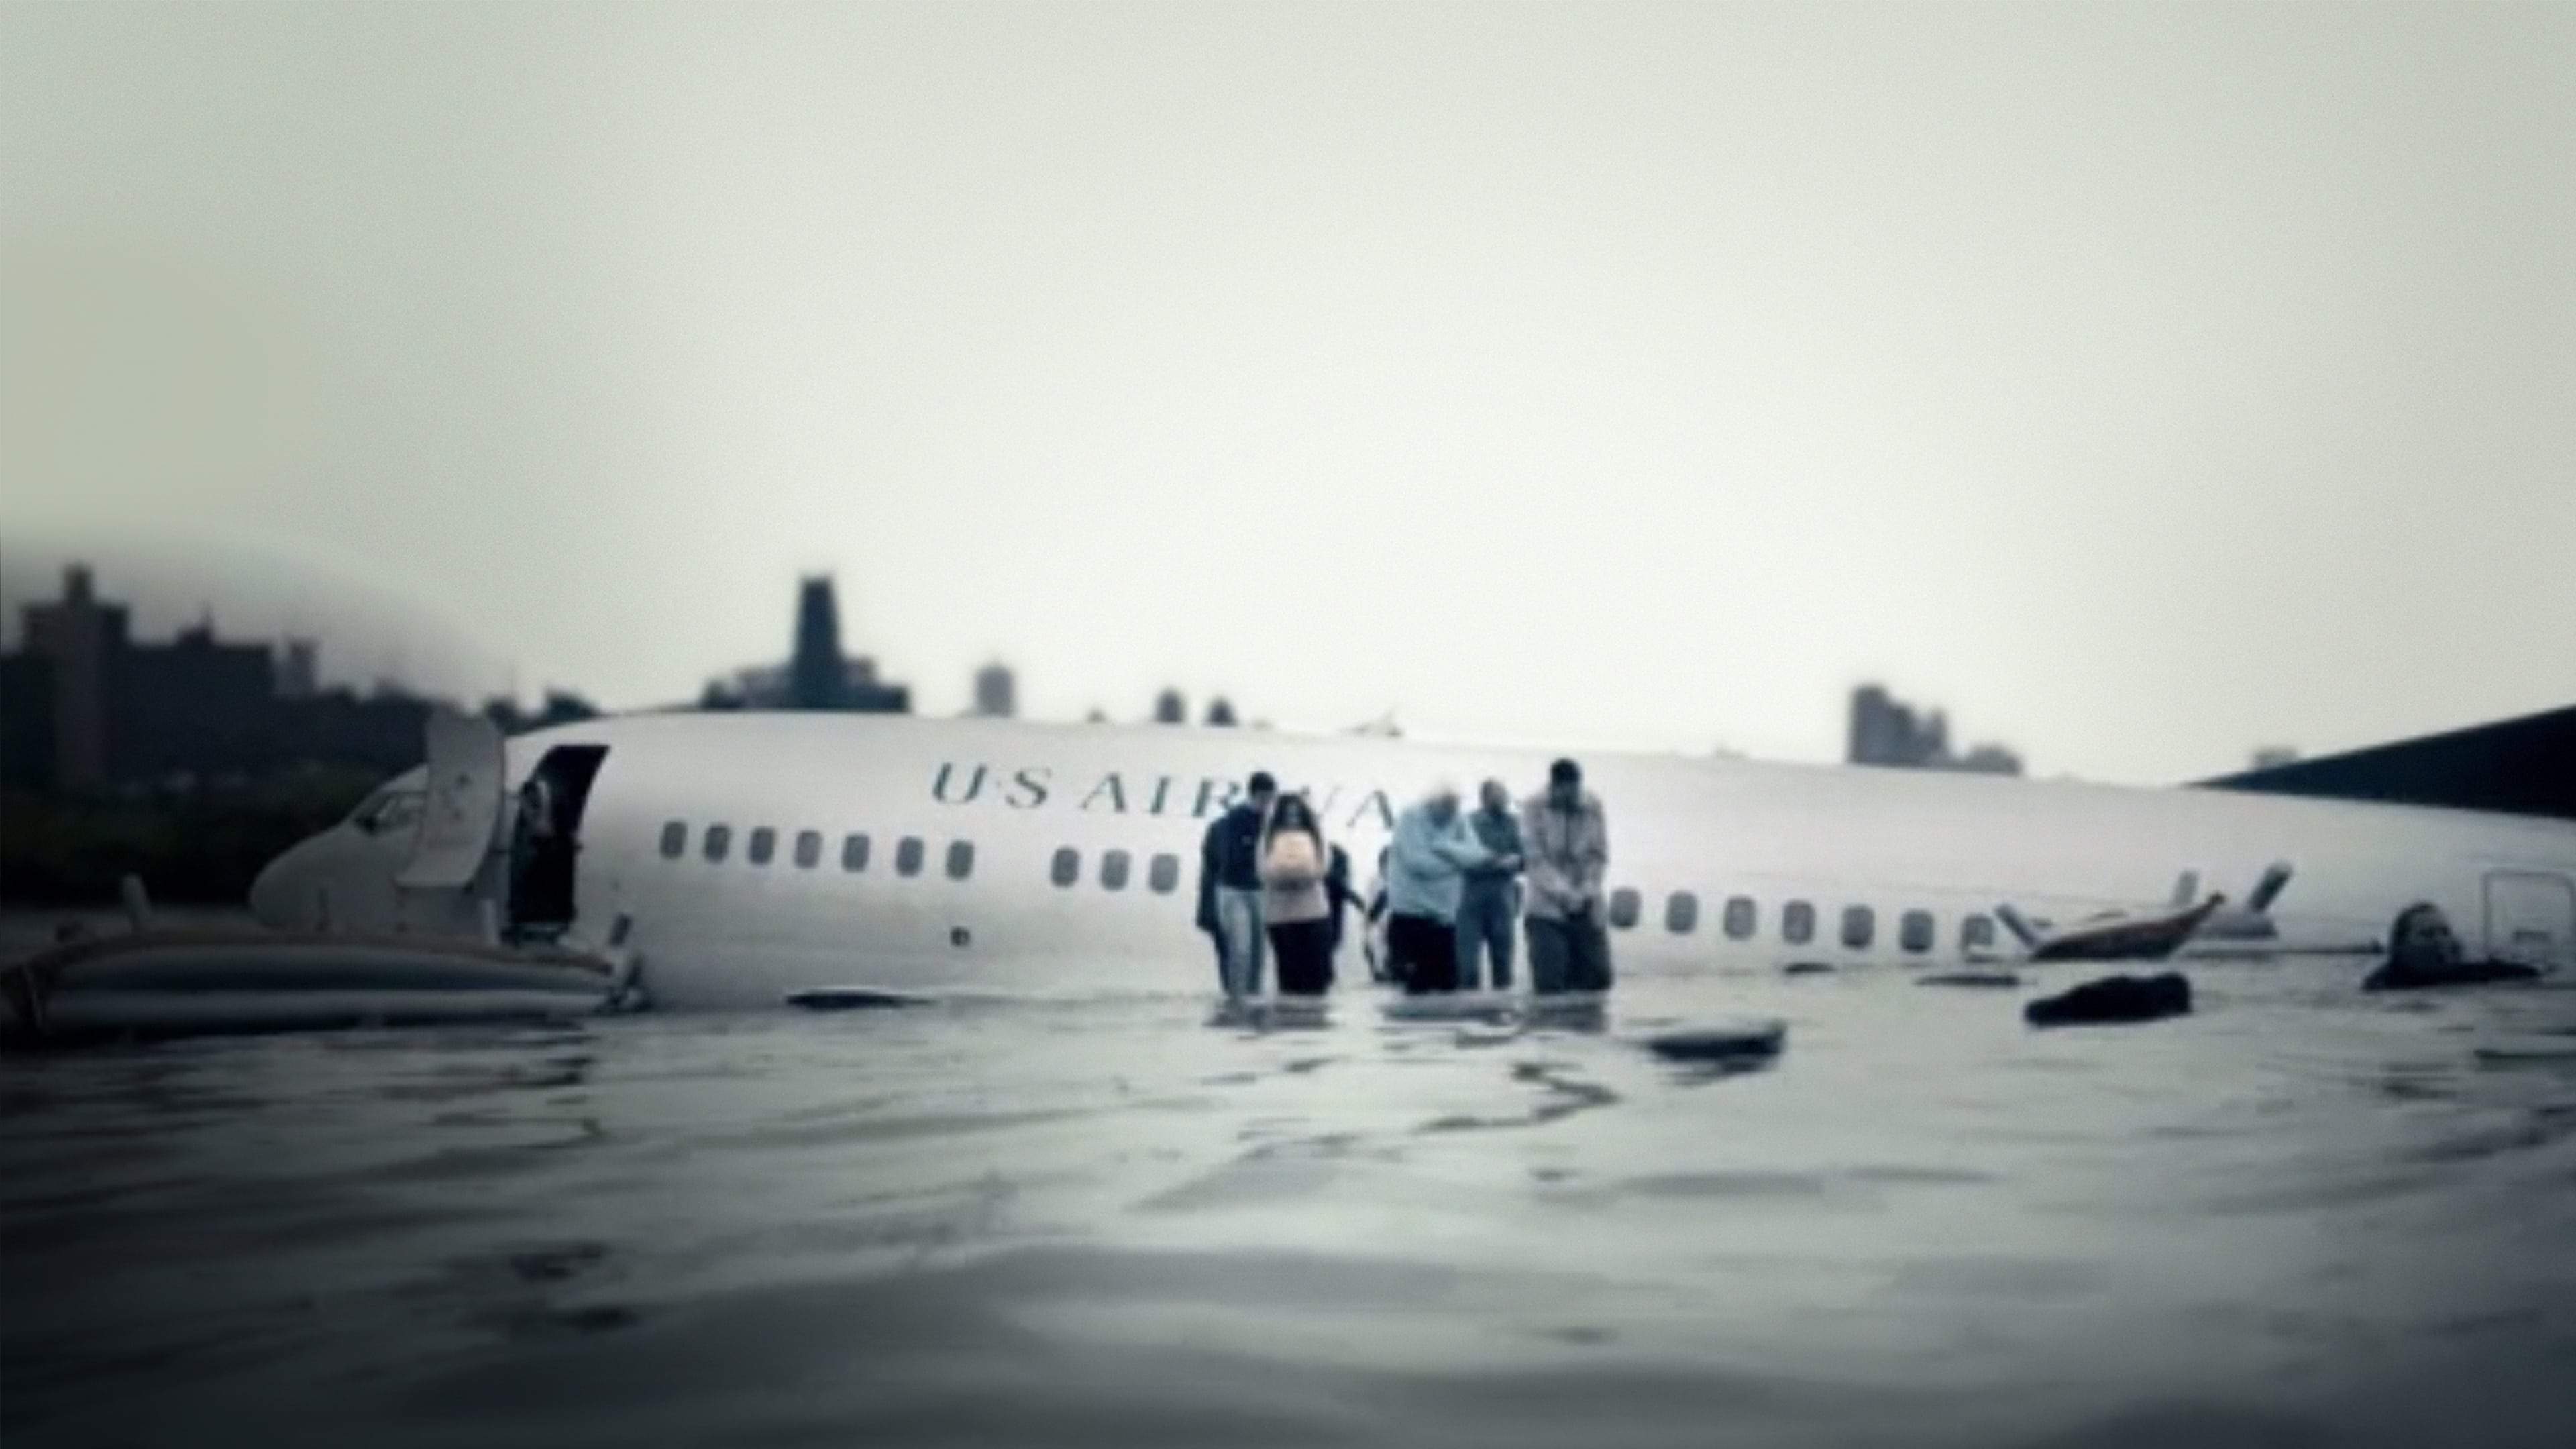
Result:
272,891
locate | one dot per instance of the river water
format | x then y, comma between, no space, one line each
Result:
2301,1215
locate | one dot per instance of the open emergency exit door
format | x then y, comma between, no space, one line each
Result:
460,805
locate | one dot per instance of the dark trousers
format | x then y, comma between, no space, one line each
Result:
1488,920
1425,953
1568,955
1304,957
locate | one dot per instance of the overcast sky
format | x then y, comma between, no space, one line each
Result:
2143,384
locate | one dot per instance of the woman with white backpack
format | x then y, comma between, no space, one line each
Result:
1295,902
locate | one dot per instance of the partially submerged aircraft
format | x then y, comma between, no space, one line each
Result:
744,857
834,860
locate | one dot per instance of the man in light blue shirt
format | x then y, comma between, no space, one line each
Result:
1425,876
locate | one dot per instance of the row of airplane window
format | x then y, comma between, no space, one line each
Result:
1740,918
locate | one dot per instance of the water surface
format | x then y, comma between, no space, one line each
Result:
2300,1216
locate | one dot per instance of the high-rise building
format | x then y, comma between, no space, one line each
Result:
80,640
816,675
1170,707
299,674
1887,731
996,691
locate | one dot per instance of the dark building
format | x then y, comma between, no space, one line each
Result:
86,706
817,675
26,721
997,694
1887,731
2524,766
80,641
194,706
1170,707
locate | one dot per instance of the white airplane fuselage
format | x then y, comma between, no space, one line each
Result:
979,900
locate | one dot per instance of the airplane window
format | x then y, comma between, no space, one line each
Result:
1741,919
1624,907
763,845
854,853
809,848
1165,875
1113,870
1066,867
1976,931
718,840
1858,926
907,856
961,859
1914,932
1681,913
1797,923
675,840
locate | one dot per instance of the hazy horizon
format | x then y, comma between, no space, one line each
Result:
2138,384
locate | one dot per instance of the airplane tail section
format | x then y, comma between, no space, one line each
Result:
2512,767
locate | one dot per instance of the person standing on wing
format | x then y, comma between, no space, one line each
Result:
1489,913
1569,850
1230,885
1426,866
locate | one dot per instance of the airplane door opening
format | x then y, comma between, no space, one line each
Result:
2531,918
545,838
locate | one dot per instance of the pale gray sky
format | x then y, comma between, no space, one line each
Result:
2142,383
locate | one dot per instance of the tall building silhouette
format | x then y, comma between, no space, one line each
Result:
997,693
1886,730
815,669
817,675
1171,707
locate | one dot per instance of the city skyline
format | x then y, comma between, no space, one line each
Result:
1878,727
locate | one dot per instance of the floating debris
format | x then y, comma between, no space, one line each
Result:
2114,999
1740,1041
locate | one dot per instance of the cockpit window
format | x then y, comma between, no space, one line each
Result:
387,811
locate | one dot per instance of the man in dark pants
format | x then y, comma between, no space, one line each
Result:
1569,850
1230,887
1426,864
1490,910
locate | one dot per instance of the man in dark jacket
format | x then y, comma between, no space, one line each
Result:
1489,912
1230,886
